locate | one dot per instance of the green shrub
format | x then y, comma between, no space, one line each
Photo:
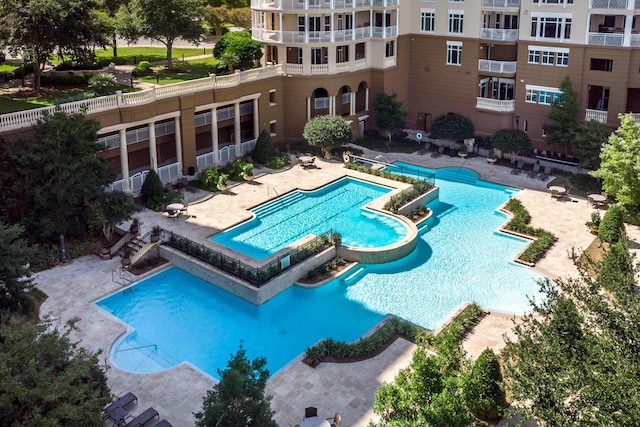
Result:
612,225
143,69
103,84
452,126
520,224
483,393
278,161
617,271
152,191
511,141
263,149
65,80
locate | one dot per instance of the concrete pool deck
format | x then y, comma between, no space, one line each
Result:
344,388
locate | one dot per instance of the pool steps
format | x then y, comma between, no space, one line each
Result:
278,204
353,275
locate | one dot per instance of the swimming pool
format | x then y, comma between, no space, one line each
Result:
460,257
337,207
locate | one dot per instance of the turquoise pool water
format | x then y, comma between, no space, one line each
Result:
337,207
460,257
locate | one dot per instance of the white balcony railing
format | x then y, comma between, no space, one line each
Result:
500,105
608,4
597,115
320,4
360,64
389,61
323,37
342,67
635,39
319,69
487,65
22,119
636,118
293,68
500,3
606,39
498,34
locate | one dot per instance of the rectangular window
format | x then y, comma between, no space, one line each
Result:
272,97
602,64
427,20
455,22
454,53
272,128
327,23
346,98
541,95
301,25
322,103
548,58
532,96
551,27
534,57
389,50
560,2
562,59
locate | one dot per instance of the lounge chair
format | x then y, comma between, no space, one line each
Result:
310,412
439,152
142,419
518,169
544,175
533,172
123,401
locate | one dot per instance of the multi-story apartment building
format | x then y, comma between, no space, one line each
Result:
499,62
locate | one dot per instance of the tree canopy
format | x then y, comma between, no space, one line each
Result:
620,163
588,142
238,400
452,126
327,131
47,380
15,272
574,360
49,179
512,141
389,113
564,116
238,49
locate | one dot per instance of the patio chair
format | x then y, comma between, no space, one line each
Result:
336,420
439,152
142,419
123,401
533,172
545,174
310,412
518,169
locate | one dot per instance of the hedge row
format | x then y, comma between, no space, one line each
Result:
520,224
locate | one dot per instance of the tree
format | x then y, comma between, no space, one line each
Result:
574,360
452,126
263,149
53,177
169,20
389,113
242,46
512,141
611,228
36,28
109,209
327,131
15,273
47,380
564,116
238,400
216,17
483,393
103,83
620,164
588,142
241,17
152,191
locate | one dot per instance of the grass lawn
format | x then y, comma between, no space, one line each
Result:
8,67
188,70
135,54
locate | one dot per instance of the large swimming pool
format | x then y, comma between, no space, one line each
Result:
175,317
337,207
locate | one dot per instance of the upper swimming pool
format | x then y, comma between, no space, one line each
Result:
337,207
460,257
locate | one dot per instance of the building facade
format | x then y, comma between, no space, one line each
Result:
499,62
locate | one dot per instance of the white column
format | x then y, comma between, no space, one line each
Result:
153,148
280,39
627,31
352,105
236,128
308,108
366,99
332,104
178,138
256,119
124,161
214,136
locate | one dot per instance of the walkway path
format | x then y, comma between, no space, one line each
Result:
344,388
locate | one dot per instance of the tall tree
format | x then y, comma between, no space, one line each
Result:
564,116
47,380
588,142
55,175
217,17
389,113
511,141
238,400
169,20
452,126
15,273
620,163
327,131
574,360
240,45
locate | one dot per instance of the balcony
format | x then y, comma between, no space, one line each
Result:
597,115
498,67
608,4
323,69
323,37
498,34
636,118
605,39
320,4
500,4
498,105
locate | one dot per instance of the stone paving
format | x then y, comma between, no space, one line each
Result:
344,388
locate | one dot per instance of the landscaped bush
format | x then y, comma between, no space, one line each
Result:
263,149
73,65
103,84
451,335
152,191
617,270
143,69
277,161
512,142
520,224
324,268
612,225
452,126
65,80
483,392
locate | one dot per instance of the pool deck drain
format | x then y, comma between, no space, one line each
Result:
344,388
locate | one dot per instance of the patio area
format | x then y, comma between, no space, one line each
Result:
344,388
